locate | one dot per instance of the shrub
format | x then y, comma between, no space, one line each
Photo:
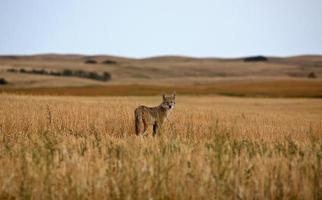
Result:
311,75
3,81
12,70
55,73
107,76
80,73
67,72
94,75
37,71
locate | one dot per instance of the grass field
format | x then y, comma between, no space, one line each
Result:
243,88
210,148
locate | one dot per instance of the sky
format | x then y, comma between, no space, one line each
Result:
144,28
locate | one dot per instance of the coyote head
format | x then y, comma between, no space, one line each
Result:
168,102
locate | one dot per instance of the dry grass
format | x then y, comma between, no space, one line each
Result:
211,148
250,88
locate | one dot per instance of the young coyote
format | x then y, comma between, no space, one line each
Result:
153,115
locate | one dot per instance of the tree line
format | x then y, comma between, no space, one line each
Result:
105,76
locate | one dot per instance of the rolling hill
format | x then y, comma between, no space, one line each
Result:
239,76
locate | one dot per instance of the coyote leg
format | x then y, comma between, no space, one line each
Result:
155,128
145,127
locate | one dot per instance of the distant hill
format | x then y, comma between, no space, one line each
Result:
161,70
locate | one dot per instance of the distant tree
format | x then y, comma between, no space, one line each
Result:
37,71
93,75
311,75
80,73
55,73
44,72
3,81
255,59
107,76
12,70
67,72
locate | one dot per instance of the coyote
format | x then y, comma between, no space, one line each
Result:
153,115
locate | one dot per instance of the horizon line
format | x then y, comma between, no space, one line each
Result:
156,55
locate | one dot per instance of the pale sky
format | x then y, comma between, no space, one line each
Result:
143,28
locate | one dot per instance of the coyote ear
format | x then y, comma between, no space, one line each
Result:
174,94
163,96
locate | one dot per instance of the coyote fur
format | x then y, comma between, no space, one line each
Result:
155,116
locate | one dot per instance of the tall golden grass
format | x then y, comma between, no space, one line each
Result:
210,148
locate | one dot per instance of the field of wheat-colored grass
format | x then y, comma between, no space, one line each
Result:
268,87
210,148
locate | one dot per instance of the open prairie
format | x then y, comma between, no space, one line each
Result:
299,76
211,147
67,128
160,100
